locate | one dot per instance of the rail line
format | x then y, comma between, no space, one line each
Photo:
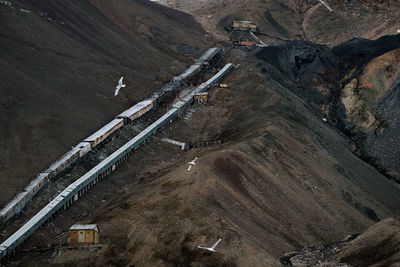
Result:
17,204
96,174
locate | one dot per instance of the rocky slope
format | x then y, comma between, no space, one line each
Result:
60,62
281,20
355,86
377,246
282,180
285,177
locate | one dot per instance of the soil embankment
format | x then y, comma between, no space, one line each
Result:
354,85
60,63
284,177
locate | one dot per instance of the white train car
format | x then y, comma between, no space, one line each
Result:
208,55
84,148
62,163
19,201
136,111
16,205
214,80
189,72
104,132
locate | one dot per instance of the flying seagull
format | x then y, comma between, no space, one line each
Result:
326,5
119,86
212,248
191,163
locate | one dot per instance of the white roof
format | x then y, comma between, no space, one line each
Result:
84,227
209,53
189,70
132,110
63,159
103,130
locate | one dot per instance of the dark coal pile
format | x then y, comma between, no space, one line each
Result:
311,67
318,74
382,146
358,52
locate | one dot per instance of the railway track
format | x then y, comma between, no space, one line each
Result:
189,75
114,152
76,170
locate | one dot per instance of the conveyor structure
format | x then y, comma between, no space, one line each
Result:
84,183
20,200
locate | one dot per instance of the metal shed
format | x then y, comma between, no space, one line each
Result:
83,234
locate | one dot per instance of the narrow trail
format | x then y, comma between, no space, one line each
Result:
306,17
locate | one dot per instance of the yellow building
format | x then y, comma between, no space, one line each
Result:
244,25
83,234
224,85
201,97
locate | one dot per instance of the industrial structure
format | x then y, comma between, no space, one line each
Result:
242,25
224,85
96,174
201,97
83,234
17,204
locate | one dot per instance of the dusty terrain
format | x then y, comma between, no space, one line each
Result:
280,20
377,246
60,64
286,177
282,180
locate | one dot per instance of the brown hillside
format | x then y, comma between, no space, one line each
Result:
60,64
283,179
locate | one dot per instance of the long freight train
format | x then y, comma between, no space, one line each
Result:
77,188
20,200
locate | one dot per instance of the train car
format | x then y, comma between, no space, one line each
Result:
136,111
208,55
214,80
84,148
21,199
104,132
192,70
62,163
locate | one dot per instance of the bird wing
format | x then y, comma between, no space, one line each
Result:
213,247
120,80
116,91
190,166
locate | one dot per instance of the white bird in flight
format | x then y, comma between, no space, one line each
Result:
326,5
191,163
211,248
120,85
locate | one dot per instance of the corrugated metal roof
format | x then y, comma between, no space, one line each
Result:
64,158
189,70
132,110
209,53
84,227
103,130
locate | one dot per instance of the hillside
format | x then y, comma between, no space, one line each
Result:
60,63
282,180
283,20
295,181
